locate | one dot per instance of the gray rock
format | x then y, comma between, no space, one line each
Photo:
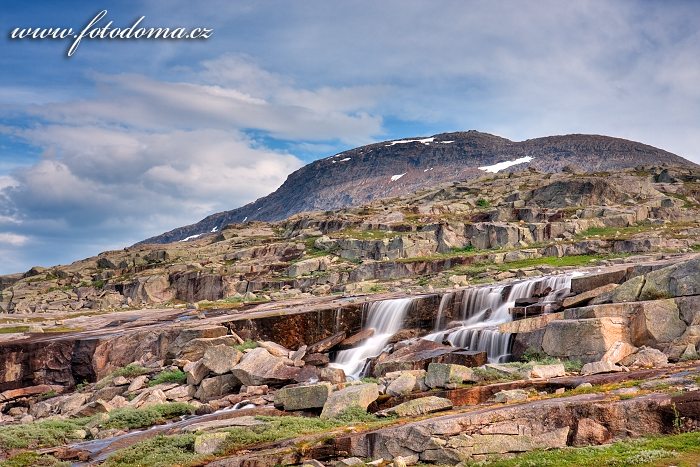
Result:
442,374
303,397
420,406
259,367
595,368
221,359
361,395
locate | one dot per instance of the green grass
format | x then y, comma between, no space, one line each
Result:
364,234
483,203
13,329
128,418
248,344
169,376
279,428
695,247
41,434
653,451
130,371
49,433
614,232
32,459
161,451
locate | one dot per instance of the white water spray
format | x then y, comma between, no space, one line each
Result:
386,318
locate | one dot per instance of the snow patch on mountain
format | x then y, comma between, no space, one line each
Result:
504,165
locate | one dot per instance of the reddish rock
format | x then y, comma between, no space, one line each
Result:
326,344
356,339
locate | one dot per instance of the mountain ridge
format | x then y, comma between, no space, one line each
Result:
397,167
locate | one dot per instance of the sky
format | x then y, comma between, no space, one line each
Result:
127,139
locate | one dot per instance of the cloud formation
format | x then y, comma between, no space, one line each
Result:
135,139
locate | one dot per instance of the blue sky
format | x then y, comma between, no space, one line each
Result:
127,139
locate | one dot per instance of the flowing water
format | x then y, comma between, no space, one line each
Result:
386,317
482,309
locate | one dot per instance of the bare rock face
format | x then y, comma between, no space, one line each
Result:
259,367
646,357
303,397
420,406
441,375
585,339
420,354
361,395
221,359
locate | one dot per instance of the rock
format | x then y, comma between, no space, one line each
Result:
221,359
418,355
585,297
275,349
356,339
120,381
589,282
149,397
332,375
194,349
317,359
646,357
419,406
584,339
584,386
595,368
303,397
217,386
402,385
209,443
259,367
590,432
548,371
68,405
313,463
327,344
361,395
245,421
182,392
137,383
92,408
405,461
673,281
40,409
512,395
439,375
619,351
658,323
27,419
349,461
196,372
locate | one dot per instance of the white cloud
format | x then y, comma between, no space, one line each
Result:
13,239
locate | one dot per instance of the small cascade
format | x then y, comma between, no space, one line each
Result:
386,317
444,301
484,308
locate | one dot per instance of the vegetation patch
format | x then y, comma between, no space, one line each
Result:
169,376
41,434
32,459
13,329
161,451
248,344
652,451
128,418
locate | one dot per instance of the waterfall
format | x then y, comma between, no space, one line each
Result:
484,308
447,298
386,317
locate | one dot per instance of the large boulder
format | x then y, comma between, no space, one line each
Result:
657,324
303,397
194,349
221,359
548,371
646,357
259,367
360,395
442,375
404,384
420,406
216,386
678,280
585,339
594,368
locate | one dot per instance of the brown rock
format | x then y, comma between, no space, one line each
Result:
356,339
585,297
589,432
326,344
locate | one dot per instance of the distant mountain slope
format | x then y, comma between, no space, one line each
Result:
394,168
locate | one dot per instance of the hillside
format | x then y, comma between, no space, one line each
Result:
395,168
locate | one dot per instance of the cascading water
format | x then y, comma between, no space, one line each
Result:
483,309
386,318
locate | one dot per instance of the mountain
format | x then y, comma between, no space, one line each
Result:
399,167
